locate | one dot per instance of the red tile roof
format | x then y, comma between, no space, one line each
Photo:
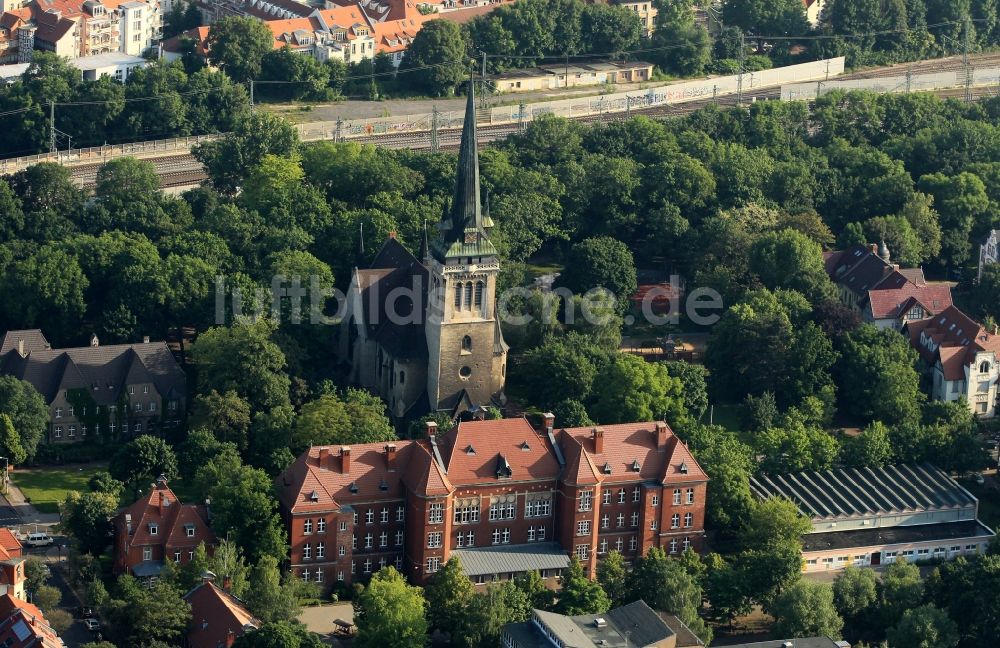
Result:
215,616
22,625
627,445
199,35
958,338
462,16
895,302
161,508
312,483
10,546
472,449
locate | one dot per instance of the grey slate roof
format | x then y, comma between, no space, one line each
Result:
635,625
503,559
846,493
805,642
104,370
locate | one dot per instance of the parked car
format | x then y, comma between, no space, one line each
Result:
38,540
92,624
980,479
84,612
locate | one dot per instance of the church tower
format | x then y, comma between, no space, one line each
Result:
467,357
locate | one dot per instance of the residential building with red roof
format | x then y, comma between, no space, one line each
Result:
157,528
218,618
961,357
504,496
22,625
17,35
194,40
11,565
880,291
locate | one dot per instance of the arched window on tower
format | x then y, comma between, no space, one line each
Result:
458,296
468,295
467,344
480,287
984,367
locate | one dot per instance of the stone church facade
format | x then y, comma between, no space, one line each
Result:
424,333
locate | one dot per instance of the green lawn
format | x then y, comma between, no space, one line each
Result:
47,487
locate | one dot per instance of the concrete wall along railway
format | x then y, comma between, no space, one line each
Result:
893,84
617,102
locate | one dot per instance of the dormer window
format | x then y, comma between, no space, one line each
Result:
607,469
189,530
524,445
469,450
153,529
314,496
383,485
353,487
635,466
503,470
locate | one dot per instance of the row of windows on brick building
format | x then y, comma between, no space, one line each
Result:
685,496
318,575
57,431
468,512
583,550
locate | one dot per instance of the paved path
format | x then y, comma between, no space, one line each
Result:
25,512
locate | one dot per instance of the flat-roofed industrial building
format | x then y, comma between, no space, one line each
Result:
878,516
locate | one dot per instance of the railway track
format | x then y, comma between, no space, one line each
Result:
184,170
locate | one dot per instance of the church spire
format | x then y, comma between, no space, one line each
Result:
466,209
464,229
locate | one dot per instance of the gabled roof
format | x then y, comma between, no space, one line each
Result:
893,303
10,546
161,509
104,370
394,267
958,339
528,453
215,616
323,485
627,445
22,625
198,35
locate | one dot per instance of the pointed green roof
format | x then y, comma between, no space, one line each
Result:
464,229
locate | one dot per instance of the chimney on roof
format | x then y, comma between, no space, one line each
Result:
432,429
323,460
145,339
550,421
598,435
345,460
661,434
230,639
873,247
227,583
390,456
392,234
20,347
